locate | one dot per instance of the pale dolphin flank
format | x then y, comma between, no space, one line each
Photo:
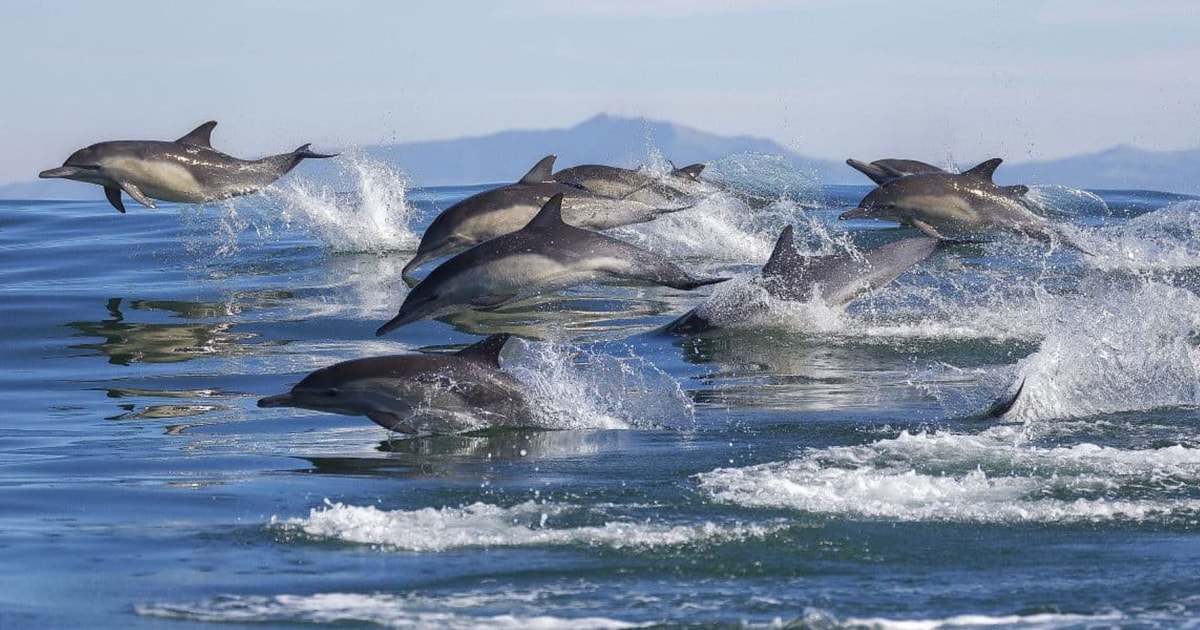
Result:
951,203
506,209
887,169
836,278
188,170
418,393
544,256
681,184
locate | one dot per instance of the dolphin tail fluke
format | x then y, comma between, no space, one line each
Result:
1005,403
690,323
688,283
302,152
285,162
691,171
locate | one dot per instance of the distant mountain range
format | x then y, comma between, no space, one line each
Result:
505,156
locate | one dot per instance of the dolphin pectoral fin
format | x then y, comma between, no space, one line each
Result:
113,194
491,300
391,421
1016,190
133,191
927,229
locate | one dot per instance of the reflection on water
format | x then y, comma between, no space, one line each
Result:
433,454
784,370
126,343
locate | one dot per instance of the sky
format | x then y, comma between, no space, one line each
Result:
937,81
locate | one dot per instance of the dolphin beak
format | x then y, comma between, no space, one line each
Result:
279,400
62,171
857,213
402,319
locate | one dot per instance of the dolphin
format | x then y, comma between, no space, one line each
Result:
188,170
837,278
970,202
880,171
418,393
505,209
544,256
637,185
887,169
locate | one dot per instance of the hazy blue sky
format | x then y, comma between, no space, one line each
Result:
1023,80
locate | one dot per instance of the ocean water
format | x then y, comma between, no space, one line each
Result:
812,468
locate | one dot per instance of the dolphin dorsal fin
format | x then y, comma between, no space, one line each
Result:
550,215
487,351
985,169
200,136
785,256
691,171
543,171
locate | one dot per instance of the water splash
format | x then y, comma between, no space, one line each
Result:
1164,240
600,389
1066,202
373,217
1114,349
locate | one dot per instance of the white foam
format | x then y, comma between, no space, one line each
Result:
1164,240
484,525
1113,349
600,389
1043,621
1065,201
387,610
373,217
973,478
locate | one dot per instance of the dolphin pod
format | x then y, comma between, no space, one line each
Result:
536,236
187,170
545,255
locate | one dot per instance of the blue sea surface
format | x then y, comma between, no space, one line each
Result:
812,468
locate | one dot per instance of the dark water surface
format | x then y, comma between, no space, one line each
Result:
812,468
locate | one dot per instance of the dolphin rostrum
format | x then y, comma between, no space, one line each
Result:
188,170
544,256
680,184
505,209
418,393
968,203
836,278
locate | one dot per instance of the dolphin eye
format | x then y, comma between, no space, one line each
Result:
330,393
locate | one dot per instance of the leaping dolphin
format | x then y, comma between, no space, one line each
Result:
880,171
680,184
188,170
941,203
837,278
544,256
887,169
418,393
502,210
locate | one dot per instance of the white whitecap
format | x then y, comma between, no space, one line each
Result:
486,525
991,477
